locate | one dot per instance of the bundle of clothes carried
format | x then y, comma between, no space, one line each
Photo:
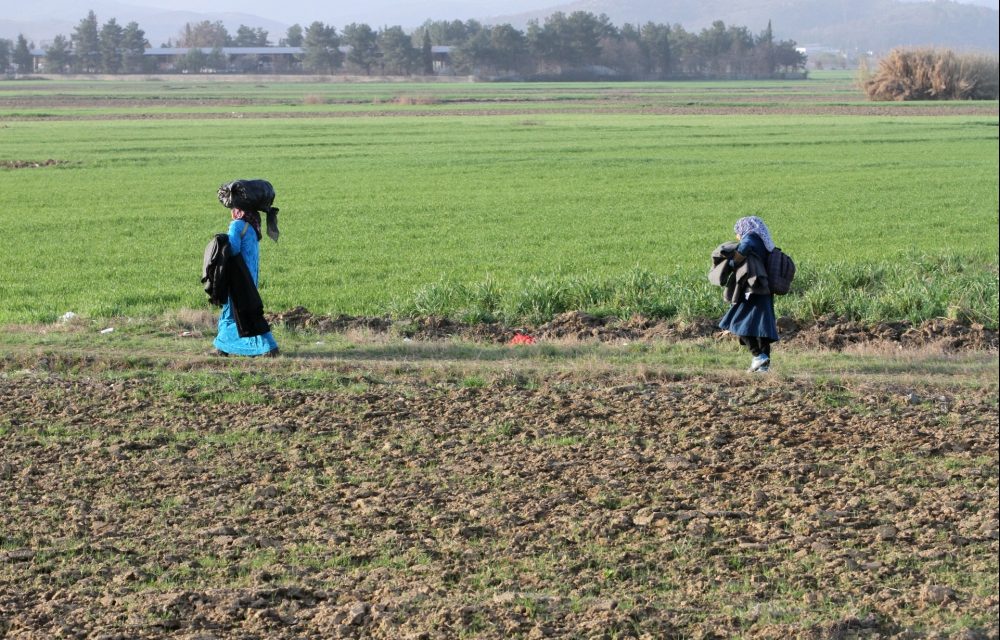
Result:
752,275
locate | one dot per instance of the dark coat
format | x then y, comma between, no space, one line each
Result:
214,273
226,276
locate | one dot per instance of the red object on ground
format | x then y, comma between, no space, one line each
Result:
522,338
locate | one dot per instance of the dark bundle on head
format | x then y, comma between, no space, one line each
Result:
252,195
248,195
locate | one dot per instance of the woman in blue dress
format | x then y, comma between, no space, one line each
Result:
752,318
244,239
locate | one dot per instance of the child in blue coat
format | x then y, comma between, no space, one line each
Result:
752,317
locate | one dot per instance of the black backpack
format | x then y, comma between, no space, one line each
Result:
780,272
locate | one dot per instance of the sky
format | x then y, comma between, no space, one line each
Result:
41,20
338,12
373,12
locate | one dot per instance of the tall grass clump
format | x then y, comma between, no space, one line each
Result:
922,288
919,289
932,74
538,298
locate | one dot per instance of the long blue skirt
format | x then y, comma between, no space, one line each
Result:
229,340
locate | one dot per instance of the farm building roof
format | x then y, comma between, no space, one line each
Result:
228,51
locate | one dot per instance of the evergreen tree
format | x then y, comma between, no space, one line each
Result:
427,54
110,46
787,56
538,44
362,41
740,59
321,48
764,47
714,43
629,32
86,44
475,55
655,42
453,32
294,36
59,55
623,53
508,48
134,46
6,46
572,40
22,58
685,53
250,37
398,55
583,36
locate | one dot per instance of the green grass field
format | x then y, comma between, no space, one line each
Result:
509,201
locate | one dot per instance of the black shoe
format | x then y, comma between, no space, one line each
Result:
221,353
273,353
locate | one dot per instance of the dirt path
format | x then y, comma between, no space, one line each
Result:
299,499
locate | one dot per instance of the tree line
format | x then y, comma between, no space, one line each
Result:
578,44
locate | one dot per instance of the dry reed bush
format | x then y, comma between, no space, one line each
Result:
931,74
314,99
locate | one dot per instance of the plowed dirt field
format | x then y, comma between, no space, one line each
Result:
292,498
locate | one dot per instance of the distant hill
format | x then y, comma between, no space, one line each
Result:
876,25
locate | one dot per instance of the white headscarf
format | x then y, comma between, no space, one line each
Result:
753,224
